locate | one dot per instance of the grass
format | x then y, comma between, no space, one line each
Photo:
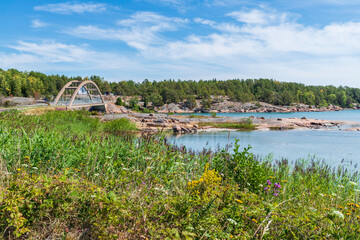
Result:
281,128
64,176
198,116
245,124
119,126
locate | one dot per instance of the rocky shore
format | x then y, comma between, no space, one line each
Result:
184,124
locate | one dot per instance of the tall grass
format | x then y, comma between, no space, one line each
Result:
65,175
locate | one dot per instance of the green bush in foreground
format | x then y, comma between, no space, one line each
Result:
69,182
119,126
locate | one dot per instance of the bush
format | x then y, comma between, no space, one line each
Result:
119,101
213,114
133,103
56,206
244,169
119,126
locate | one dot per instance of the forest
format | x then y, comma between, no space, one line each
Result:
35,84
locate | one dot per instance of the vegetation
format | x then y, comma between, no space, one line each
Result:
244,124
119,101
16,83
198,116
63,177
121,125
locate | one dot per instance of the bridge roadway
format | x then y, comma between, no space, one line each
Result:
92,106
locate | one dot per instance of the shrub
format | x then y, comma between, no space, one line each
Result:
119,126
119,101
133,103
56,206
244,169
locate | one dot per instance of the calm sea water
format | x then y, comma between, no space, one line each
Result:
333,146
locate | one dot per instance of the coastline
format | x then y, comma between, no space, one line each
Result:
186,124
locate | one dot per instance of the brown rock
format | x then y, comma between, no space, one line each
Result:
176,128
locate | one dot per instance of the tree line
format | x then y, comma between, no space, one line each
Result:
36,84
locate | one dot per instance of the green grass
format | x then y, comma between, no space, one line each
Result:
230,125
119,126
64,176
198,116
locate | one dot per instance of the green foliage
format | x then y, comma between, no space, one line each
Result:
244,124
62,176
206,103
133,103
17,83
213,114
244,169
119,126
190,102
119,101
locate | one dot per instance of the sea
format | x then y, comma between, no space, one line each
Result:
334,146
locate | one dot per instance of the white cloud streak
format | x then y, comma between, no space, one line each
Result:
141,30
70,8
48,54
249,44
38,24
257,16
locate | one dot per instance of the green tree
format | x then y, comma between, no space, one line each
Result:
190,102
156,99
119,101
206,103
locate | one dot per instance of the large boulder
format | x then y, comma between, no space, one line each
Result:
176,128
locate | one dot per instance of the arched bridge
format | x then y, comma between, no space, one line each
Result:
77,94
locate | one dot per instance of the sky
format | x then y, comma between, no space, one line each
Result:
316,42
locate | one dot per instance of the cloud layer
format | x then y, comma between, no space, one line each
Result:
243,43
69,8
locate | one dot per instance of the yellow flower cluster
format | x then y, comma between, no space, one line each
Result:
210,178
353,207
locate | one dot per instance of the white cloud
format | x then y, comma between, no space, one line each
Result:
257,16
261,43
141,30
181,5
69,8
277,38
264,43
38,24
205,21
52,53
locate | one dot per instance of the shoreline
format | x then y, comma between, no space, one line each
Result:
182,124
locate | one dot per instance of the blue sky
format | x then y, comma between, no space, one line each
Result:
309,41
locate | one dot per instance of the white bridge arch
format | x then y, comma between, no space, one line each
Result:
78,93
